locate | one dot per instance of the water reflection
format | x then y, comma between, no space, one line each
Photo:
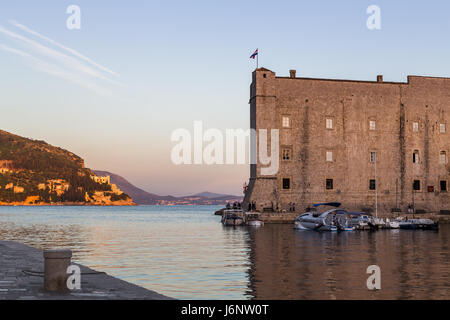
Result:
288,264
184,252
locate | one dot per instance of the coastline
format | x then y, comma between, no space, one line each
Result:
64,204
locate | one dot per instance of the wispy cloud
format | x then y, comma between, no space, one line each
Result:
57,44
69,67
54,70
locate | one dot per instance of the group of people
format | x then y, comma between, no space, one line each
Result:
252,206
291,207
236,205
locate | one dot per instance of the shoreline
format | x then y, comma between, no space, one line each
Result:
63,204
76,204
15,258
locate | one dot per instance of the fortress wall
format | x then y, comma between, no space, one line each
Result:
352,105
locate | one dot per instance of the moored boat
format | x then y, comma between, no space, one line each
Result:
342,221
362,221
253,219
335,219
233,217
392,224
414,224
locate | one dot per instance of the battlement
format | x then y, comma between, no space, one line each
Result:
411,79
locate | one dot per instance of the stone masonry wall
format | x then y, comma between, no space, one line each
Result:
351,105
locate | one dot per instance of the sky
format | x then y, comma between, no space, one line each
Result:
114,90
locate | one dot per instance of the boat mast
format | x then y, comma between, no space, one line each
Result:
376,187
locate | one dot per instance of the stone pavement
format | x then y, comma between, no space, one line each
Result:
15,284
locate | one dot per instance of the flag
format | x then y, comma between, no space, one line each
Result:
253,56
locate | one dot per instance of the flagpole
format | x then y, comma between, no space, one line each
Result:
257,58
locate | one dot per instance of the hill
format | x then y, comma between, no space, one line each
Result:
139,196
146,198
34,172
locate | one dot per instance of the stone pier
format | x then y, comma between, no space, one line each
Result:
15,284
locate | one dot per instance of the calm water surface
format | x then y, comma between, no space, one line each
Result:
184,252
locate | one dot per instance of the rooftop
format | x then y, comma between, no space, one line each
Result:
379,78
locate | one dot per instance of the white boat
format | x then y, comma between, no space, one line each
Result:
392,224
253,219
414,224
233,217
379,222
362,221
335,219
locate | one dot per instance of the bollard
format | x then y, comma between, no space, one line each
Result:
55,269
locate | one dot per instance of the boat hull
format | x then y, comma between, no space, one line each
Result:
255,223
233,222
418,226
330,220
394,225
233,217
302,225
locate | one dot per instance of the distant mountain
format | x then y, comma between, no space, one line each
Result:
138,195
143,197
33,172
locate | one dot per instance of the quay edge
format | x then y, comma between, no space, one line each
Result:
16,285
289,217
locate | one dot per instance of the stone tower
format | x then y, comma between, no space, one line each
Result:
331,133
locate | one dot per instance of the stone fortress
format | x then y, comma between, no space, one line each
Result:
334,132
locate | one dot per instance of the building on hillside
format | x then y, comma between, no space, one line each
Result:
60,186
18,189
333,133
6,166
105,179
116,190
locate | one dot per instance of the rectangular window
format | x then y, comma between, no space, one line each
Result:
286,122
442,128
329,156
416,185
372,125
286,154
373,156
416,156
415,126
329,184
443,184
430,189
286,183
329,123
372,184
443,157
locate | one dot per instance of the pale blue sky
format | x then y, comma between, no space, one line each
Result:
181,61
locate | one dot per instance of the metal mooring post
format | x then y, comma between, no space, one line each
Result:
55,269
